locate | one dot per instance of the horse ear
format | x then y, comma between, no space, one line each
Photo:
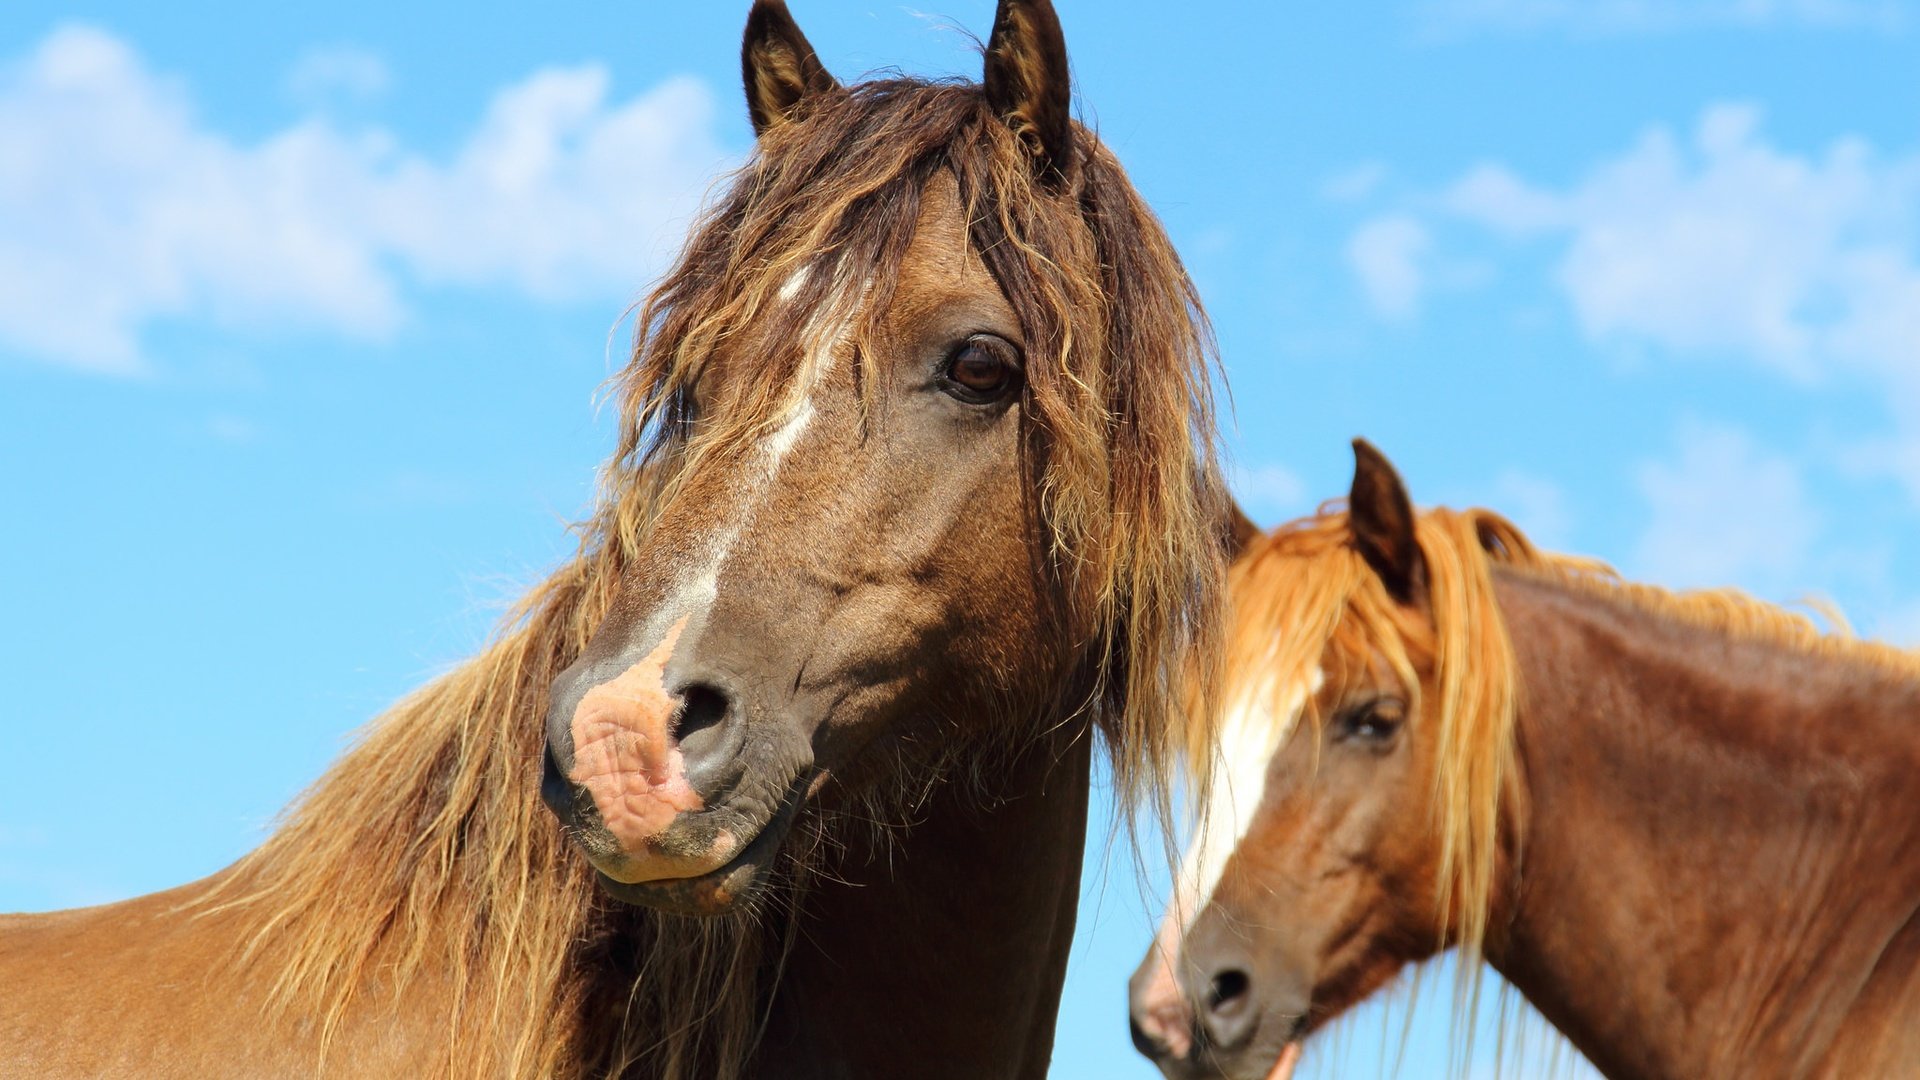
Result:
1382,520
1238,530
778,66
1027,82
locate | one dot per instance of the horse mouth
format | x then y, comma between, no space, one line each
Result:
725,888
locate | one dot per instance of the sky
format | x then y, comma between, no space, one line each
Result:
304,310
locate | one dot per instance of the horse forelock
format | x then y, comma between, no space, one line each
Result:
425,849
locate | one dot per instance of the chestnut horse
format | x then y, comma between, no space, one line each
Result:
1686,826
915,496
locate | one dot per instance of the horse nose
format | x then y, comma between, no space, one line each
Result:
1227,1008
1151,1046
708,728
1159,1016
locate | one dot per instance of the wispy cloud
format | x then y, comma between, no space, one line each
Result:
1269,493
1717,243
1536,504
1727,243
120,207
1389,257
1597,18
1355,183
1726,511
322,74
228,428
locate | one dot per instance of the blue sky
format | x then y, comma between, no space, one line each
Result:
303,309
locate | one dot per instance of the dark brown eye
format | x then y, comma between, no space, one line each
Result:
982,369
1373,724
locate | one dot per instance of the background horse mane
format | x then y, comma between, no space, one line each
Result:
1305,588
424,853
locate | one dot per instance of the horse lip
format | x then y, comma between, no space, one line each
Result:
721,889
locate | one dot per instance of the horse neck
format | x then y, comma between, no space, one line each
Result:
940,952
1721,859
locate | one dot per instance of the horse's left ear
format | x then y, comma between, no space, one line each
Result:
1027,82
1238,531
1382,520
778,65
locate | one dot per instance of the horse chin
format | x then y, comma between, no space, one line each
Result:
1288,1061
721,891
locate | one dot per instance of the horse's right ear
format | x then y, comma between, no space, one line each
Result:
778,66
1382,520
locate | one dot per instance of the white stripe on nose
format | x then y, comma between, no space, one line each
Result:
1253,732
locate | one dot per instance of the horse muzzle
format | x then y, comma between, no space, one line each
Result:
657,785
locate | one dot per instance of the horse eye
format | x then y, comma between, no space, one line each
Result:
1373,724
981,370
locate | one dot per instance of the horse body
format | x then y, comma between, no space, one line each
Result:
139,989
1684,826
1721,868
915,497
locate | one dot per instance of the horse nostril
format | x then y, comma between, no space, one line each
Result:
557,791
1227,993
701,708
710,737
1230,1014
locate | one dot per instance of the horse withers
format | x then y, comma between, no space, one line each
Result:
1685,826
915,494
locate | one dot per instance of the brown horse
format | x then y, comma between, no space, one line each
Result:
915,495
1685,826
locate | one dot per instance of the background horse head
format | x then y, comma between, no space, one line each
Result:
1388,841
1650,811
917,462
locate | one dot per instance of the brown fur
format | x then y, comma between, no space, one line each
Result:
1120,353
1682,824
418,913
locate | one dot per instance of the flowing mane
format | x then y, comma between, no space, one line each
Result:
1304,588
424,853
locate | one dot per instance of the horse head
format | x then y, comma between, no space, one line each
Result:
919,444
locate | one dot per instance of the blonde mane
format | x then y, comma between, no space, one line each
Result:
1304,591
424,858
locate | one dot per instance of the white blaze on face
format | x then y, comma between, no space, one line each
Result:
700,583
1251,734
822,347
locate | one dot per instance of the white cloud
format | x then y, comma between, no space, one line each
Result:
1719,243
1269,493
1356,183
229,428
338,71
1727,512
1388,255
118,207
1536,504
1730,245
1620,17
